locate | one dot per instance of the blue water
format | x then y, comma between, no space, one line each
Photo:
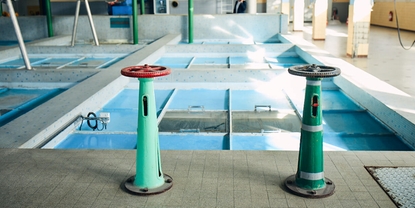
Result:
186,62
19,101
246,100
88,62
99,141
346,125
124,110
10,42
16,63
274,41
128,141
209,99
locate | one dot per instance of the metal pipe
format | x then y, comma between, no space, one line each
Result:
1,7
75,23
19,35
190,14
49,18
91,23
143,7
135,23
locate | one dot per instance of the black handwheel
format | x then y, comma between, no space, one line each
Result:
313,70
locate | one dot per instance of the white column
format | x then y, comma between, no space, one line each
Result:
319,20
358,28
285,9
252,6
298,21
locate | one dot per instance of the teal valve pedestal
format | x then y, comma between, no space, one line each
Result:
309,181
149,178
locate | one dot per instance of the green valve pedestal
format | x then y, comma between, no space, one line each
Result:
149,178
309,181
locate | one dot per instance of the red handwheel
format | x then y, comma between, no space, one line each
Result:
145,71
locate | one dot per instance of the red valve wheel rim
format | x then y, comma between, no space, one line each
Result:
145,71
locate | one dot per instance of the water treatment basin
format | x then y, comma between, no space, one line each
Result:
235,120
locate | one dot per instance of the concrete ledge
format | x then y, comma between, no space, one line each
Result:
38,125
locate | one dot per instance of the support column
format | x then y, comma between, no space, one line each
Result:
190,18
49,18
252,6
298,21
19,35
135,22
358,28
319,20
143,7
285,9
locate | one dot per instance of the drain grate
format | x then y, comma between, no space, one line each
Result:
397,182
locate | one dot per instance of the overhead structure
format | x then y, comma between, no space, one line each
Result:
91,22
18,34
319,19
358,28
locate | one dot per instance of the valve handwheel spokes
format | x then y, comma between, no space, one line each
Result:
313,70
145,71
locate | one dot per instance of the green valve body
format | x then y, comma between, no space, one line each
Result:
149,178
311,163
148,168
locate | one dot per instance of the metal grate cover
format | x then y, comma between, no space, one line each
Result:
397,182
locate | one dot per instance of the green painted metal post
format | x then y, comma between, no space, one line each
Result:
309,181
1,7
310,173
143,7
135,23
190,14
49,18
149,178
148,152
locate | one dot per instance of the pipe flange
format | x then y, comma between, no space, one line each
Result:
128,186
315,71
328,190
145,71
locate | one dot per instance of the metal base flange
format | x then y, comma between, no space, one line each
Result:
319,193
132,189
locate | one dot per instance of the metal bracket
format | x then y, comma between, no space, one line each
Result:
262,106
196,109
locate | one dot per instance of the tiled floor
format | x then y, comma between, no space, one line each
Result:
92,178
50,178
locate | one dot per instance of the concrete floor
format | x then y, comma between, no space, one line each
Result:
92,178
386,60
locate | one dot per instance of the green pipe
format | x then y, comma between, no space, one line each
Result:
135,24
190,21
143,7
1,7
49,18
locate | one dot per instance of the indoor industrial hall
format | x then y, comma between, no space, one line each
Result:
191,103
